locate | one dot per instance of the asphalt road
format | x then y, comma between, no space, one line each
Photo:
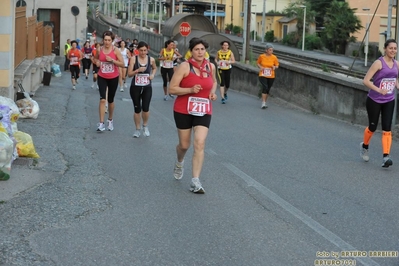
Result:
282,187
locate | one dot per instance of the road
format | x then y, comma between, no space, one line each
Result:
282,184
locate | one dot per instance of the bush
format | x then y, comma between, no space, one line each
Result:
312,42
237,29
291,39
269,36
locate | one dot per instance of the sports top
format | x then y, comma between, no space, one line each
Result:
108,70
267,61
385,78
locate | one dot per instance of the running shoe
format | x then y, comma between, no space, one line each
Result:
122,89
146,132
106,108
171,96
74,87
87,77
92,86
136,133
178,171
101,127
386,162
264,105
125,86
165,97
223,101
196,186
364,153
97,87
225,96
110,125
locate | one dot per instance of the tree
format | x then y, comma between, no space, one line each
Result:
320,7
340,22
294,10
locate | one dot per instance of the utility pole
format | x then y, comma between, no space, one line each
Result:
263,20
244,33
389,19
247,24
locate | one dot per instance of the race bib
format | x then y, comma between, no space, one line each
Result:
107,67
223,64
168,64
87,56
198,106
267,72
74,60
142,80
388,84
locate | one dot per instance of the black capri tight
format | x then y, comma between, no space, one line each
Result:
166,72
141,97
86,63
112,85
266,83
224,77
373,111
74,71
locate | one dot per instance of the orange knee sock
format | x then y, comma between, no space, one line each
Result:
367,136
386,142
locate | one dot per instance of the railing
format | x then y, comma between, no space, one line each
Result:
32,39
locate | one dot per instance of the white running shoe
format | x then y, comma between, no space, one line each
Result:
386,162
124,85
146,132
122,89
92,86
165,97
136,133
364,153
196,186
178,171
264,105
101,127
110,125
74,87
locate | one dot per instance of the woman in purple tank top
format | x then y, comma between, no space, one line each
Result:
381,100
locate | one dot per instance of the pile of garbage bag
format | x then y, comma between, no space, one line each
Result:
14,143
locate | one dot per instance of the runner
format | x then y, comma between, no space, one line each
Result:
87,53
381,100
143,68
74,57
95,67
108,59
166,57
66,49
268,63
122,70
195,84
224,59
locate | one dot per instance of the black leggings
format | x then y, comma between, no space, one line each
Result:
166,72
266,84
112,85
141,97
74,71
373,111
86,63
224,78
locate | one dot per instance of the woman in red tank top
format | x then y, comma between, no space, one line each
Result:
108,59
194,83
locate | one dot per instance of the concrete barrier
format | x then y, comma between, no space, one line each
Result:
330,94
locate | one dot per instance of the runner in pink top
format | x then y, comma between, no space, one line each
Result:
108,59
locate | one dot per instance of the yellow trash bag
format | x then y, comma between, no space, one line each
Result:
25,145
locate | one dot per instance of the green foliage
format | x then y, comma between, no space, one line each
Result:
325,68
340,22
237,29
295,11
229,27
355,53
291,39
269,36
312,42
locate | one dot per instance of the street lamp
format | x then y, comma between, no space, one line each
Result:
304,26
263,20
366,47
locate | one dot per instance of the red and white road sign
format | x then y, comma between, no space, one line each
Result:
185,29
